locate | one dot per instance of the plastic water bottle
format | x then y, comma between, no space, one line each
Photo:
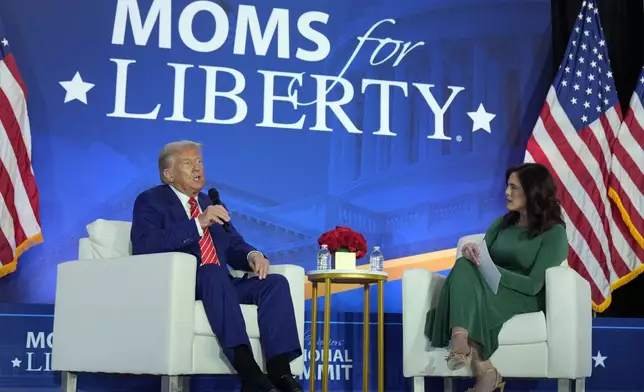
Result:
376,260
324,258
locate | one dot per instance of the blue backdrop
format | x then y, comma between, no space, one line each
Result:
395,117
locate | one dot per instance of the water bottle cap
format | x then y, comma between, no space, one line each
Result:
324,246
376,248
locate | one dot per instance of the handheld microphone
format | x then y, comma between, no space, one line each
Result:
213,194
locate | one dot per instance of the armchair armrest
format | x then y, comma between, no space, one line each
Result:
569,324
294,274
420,292
130,314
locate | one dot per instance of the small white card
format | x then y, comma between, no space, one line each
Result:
488,269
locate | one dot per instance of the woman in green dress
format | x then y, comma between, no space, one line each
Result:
523,243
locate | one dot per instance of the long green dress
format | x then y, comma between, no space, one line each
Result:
466,300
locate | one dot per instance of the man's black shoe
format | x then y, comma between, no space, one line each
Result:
261,384
287,383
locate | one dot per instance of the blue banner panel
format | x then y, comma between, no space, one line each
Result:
26,341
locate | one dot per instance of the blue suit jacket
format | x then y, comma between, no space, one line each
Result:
160,224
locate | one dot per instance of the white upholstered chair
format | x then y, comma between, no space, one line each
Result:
117,313
556,345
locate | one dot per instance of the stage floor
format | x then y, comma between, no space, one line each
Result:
25,357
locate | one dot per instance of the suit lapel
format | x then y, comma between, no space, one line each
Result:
176,209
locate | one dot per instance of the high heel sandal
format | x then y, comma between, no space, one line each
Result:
498,384
457,359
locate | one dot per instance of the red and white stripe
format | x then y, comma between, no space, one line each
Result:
626,185
580,163
19,216
206,244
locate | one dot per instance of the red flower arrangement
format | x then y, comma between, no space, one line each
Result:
343,239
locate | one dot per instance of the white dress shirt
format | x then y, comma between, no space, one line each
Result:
185,202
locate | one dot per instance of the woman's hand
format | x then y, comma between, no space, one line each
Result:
471,252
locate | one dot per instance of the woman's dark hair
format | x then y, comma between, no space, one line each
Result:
543,209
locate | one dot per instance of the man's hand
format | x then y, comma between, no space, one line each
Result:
213,214
259,265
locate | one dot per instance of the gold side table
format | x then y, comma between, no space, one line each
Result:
365,278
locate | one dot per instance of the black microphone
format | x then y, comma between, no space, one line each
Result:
213,194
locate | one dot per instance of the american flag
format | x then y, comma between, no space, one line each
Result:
19,218
573,137
626,187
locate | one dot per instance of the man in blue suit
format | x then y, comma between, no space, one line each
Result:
177,217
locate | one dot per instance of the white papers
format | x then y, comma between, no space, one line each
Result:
488,269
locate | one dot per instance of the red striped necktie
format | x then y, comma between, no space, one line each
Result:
208,252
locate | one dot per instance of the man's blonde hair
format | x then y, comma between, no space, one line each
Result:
170,150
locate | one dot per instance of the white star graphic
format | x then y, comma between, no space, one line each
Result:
599,359
481,119
76,89
16,362
5,42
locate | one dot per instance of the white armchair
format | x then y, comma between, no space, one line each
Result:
117,313
532,345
